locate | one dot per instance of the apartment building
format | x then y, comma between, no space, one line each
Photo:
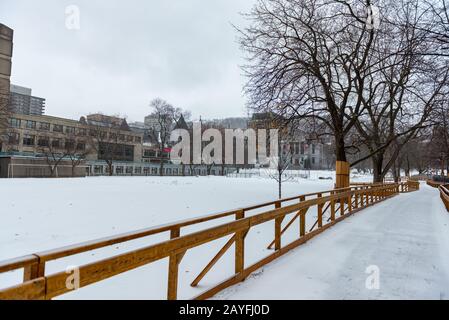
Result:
46,140
22,101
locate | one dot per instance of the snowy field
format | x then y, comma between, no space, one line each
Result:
45,214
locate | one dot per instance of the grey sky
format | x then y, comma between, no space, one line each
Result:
127,53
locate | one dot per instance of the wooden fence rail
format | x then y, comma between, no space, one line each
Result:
340,204
444,193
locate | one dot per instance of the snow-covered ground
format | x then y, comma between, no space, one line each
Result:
45,214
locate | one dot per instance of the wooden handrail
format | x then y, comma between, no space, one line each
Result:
178,245
444,194
66,251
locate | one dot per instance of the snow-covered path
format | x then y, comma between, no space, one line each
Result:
407,238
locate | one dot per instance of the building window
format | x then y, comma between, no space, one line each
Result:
45,126
113,136
69,144
129,153
121,137
13,138
138,170
149,153
43,141
31,124
58,128
70,130
119,170
313,160
81,146
313,149
129,170
82,132
98,169
129,138
28,140
56,143
138,139
15,123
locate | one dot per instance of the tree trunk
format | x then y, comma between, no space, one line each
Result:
378,160
396,177
111,173
340,152
161,168
407,169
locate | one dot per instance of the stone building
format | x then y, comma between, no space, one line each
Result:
6,48
304,149
49,140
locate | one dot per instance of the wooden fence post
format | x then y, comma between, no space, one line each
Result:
240,251
33,271
302,220
320,212
240,245
173,267
277,229
173,270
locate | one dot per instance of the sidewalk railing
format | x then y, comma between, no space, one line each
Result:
332,207
444,194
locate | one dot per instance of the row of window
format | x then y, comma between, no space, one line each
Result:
155,154
45,126
32,140
300,148
122,170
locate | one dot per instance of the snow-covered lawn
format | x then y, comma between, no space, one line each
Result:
42,214
45,214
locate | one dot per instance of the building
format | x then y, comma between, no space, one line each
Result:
22,101
6,48
48,140
304,150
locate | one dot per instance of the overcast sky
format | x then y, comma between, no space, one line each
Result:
127,53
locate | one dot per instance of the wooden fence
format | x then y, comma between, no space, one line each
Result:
444,193
434,184
338,204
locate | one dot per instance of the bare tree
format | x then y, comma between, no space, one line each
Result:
282,161
77,149
325,59
403,86
303,58
164,116
53,152
107,141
